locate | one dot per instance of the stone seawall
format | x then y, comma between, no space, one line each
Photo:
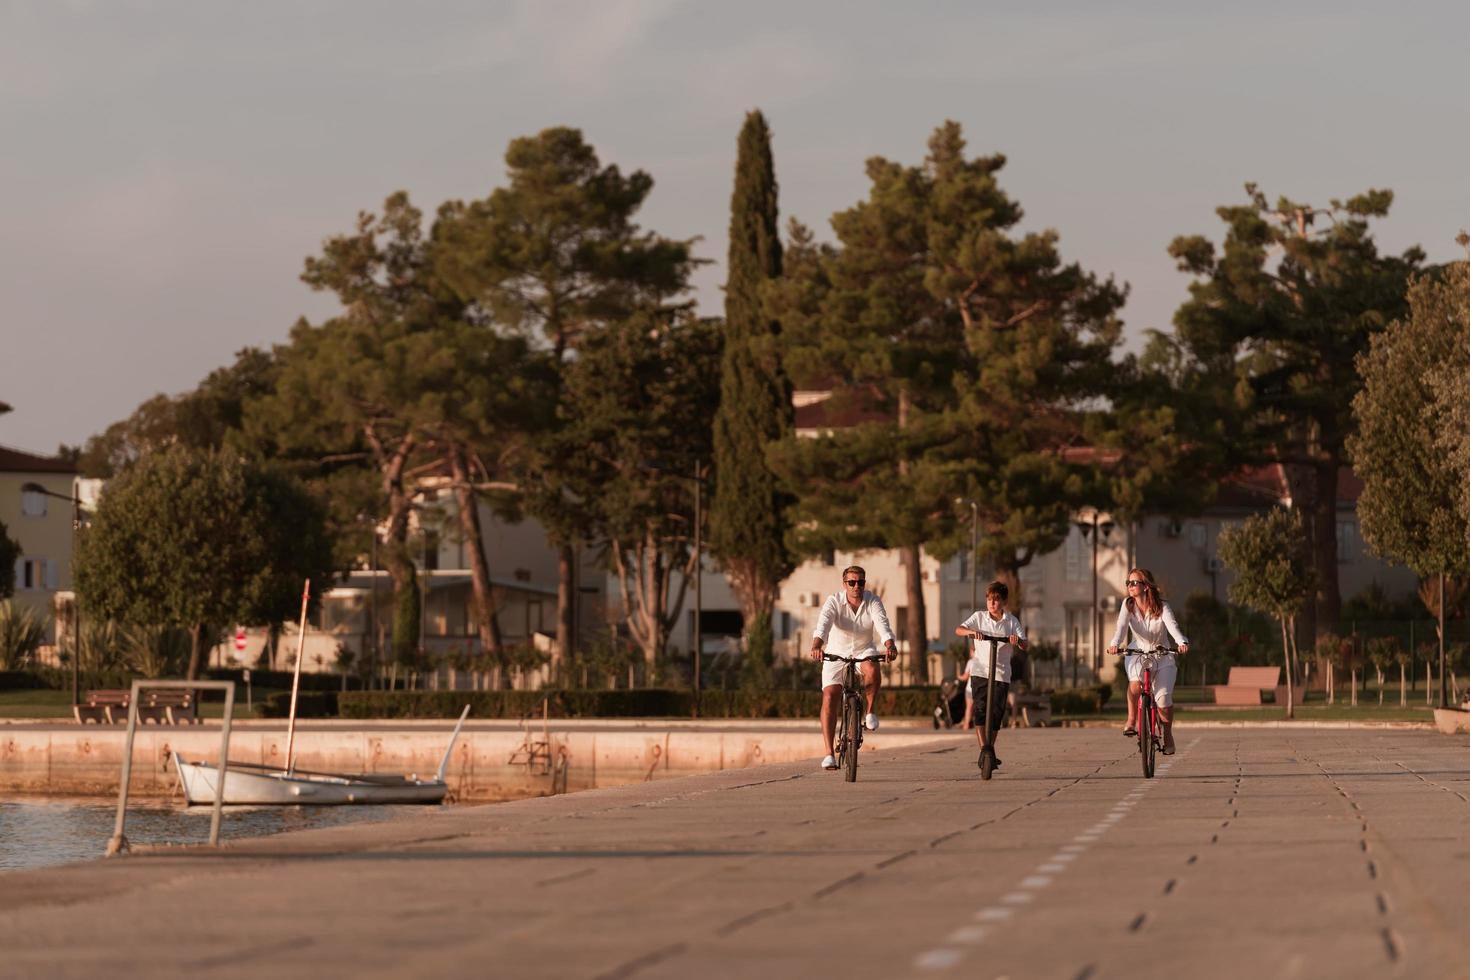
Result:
486,765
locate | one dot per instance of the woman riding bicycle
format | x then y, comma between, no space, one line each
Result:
1152,621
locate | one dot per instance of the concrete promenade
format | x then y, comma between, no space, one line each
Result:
1255,853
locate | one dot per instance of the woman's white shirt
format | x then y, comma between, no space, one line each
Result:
1150,631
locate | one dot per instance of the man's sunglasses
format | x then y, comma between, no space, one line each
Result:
852,582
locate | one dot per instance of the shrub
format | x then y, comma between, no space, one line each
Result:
309,704
22,632
637,703
1081,700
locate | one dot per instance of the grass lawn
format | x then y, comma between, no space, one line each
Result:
57,704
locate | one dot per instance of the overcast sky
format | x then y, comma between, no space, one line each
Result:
167,166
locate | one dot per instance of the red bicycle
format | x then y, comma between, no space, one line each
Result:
1150,730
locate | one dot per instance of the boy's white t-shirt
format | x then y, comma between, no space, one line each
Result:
979,663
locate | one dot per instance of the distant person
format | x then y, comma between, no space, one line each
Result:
860,622
1152,621
993,620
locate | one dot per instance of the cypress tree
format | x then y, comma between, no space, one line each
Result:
748,511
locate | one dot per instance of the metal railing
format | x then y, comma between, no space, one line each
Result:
119,842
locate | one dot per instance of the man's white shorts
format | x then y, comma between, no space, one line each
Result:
832,671
1163,678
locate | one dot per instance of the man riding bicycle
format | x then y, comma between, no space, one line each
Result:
859,619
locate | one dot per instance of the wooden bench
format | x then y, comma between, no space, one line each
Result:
1030,710
167,706
99,707
173,706
1245,685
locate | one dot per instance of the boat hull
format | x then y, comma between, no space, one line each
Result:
252,787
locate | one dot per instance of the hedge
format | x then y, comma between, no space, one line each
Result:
309,704
637,703
1081,700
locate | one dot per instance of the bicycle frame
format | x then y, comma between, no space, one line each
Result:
1150,732
847,743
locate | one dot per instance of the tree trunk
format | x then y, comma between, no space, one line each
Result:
1403,688
196,635
486,621
1328,598
1301,484
566,598
916,637
1288,626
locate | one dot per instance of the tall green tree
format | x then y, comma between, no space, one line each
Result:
1275,320
199,540
556,253
748,521
639,407
1409,448
9,555
968,350
1267,555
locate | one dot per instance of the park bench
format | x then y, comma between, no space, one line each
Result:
1245,685
1030,710
171,706
110,707
99,707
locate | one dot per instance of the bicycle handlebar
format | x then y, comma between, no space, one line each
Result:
853,660
1156,651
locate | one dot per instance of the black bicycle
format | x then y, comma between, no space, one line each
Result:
993,712
850,721
1150,729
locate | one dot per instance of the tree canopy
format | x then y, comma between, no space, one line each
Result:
1275,320
748,515
201,539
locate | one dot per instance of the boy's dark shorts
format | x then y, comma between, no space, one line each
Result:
977,696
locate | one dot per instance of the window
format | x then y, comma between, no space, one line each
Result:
1197,535
33,500
33,574
785,625
964,566
1346,535
829,558
1076,570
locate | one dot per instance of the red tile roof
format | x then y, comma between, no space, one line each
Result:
15,461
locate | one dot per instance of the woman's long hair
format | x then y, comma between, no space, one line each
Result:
1150,599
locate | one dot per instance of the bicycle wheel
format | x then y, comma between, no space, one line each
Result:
854,719
1148,725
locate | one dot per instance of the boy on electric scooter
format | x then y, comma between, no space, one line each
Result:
993,620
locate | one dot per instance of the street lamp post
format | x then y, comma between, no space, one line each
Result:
1095,529
76,603
974,556
698,652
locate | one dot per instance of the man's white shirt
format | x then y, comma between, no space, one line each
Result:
859,631
979,664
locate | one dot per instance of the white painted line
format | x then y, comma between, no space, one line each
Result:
1064,855
1035,881
937,959
1017,898
1089,838
968,934
993,915
1052,868
1073,848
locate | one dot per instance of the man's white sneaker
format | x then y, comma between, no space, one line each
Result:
871,722
829,762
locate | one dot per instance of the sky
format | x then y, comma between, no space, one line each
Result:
166,167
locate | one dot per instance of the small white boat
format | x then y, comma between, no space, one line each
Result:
250,784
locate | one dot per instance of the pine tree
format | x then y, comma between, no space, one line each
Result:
748,512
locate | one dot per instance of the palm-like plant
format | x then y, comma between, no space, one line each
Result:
22,631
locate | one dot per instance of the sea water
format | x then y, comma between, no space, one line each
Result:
38,832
